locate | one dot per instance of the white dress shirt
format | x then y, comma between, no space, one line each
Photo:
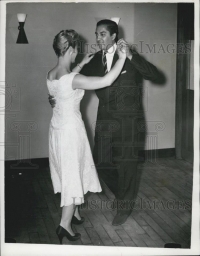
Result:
109,56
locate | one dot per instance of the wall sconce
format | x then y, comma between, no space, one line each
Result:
116,20
22,39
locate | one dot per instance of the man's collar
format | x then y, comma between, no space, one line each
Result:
112,49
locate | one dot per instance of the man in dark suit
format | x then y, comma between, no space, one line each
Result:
118,133
118,138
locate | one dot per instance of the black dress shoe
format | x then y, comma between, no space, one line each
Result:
121,217
77,221
61,232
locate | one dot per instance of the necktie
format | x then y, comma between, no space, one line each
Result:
104,61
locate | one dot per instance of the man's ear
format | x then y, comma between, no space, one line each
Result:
113,36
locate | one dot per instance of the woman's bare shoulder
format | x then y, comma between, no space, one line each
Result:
51,75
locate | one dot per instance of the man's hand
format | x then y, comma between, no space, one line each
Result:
127,47
52,101
121,50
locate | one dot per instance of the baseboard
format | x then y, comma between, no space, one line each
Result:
157,153
27,164
42,163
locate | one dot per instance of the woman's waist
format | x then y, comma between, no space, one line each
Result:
66,114
67,110
68,121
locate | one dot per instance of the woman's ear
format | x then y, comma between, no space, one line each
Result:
70,50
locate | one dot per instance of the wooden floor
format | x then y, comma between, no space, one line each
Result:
162,212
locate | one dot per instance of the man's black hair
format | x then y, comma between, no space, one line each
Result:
111,26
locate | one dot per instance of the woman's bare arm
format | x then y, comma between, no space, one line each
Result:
84,82
85,60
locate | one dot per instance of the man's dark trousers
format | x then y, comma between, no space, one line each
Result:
119,135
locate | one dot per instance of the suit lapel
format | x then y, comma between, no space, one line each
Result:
99,63
115,58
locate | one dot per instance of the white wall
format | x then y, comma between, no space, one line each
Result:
157,24
27,65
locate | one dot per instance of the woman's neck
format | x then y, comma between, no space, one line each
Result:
63,65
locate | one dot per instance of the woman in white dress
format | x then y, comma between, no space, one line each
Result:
72,168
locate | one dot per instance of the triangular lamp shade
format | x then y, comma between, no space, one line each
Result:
116,19
22,39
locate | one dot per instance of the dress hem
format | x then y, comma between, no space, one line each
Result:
79,197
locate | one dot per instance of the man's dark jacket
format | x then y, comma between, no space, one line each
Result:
120,132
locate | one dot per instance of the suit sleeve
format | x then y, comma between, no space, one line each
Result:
86,70
90,68
146,69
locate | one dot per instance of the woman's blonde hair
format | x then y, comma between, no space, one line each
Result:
63,40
